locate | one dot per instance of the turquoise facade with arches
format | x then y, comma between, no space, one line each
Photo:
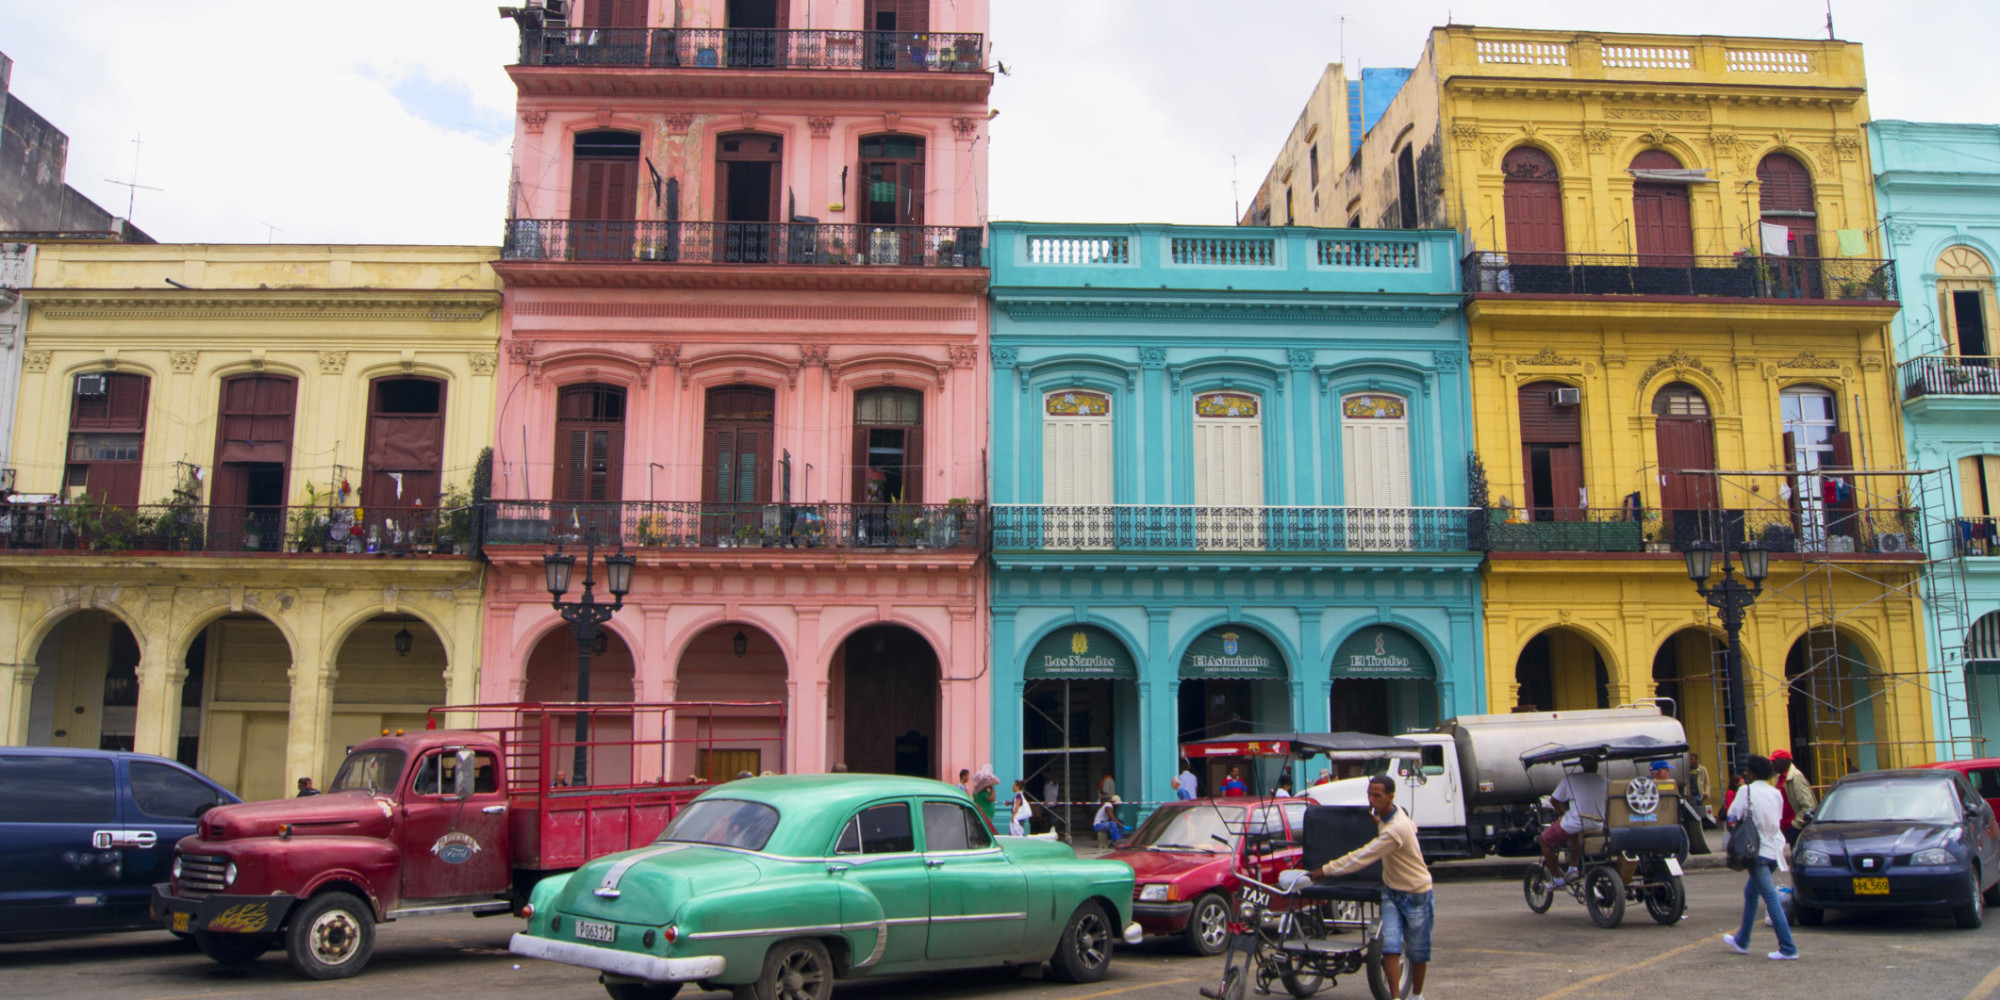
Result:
1938,189
1230,494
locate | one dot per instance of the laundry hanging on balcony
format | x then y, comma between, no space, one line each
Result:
1776,238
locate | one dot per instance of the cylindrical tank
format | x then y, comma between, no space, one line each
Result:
1490,748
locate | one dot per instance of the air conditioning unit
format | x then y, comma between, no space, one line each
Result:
1566,397
1891,541
90,385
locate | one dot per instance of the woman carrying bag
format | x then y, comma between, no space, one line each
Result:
1757,845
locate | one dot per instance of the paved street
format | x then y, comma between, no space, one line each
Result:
1489,946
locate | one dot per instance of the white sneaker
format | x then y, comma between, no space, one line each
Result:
1555,883
1779,956
1730,940
1767,921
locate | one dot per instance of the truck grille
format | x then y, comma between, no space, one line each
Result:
201,874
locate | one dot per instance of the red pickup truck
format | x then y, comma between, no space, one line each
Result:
441,821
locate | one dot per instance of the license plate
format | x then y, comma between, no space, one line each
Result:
1871,887
1673,866
181,921
591,930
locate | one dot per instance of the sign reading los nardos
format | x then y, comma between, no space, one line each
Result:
1080,652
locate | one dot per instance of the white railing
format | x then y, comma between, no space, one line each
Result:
1079,250
1224,251
1523,53
1769,61
1368,253
1647,57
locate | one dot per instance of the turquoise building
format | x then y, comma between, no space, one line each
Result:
1938,189
1230,487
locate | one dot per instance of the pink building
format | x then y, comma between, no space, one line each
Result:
744,337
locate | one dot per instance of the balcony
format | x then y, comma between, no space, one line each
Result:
84,526
797,244
1160,528
1951,375
1978,536
1813,531
688,525
755,49
1798,279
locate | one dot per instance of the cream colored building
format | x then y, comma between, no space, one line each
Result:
250,557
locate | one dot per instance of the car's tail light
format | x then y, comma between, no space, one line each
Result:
527,911
672,933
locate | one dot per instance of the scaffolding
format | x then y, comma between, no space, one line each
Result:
1862,538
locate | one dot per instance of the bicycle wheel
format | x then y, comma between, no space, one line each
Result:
1294,970
1535,885
1237,965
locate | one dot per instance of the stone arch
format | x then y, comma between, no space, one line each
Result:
36,633
549,670
1837,708
86,682
782,633
1550,668
376,687
896,672
717,743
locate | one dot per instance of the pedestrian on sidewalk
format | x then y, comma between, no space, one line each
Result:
1232,786
1106,821
1762,805
1019,811
1183,788
1799,797
1407,903
984,781
1699,778
1189,784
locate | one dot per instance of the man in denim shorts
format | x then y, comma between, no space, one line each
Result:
1406,888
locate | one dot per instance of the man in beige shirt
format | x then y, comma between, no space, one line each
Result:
1406,887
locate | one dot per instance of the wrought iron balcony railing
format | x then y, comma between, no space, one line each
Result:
1185,528
1951,375
1815,529
88,526
1740,277
755,48
810,244
689,525
1978,536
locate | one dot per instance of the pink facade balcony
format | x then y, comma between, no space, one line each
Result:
690,525
755,49
803,244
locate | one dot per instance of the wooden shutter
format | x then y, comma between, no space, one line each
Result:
608,464
1685,443
1532,203
860,464
1661,222
913,465
911,211
1979,485
1543,422
605,190
256,424
1076,460
1377,461
912,16
718,464
1566,481
1229,462
616,14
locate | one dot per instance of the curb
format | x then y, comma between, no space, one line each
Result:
1511,868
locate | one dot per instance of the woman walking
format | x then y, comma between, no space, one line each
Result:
1760,804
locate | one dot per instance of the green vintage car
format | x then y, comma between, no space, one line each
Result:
778,886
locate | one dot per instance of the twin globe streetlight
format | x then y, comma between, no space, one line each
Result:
586,618
1732,598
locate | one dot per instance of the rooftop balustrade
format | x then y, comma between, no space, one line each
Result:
1281,260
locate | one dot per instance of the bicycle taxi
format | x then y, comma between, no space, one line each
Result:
1289,929
1637,855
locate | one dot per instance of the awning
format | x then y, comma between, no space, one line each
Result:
1080,653
1381,651
1684,175
1232,652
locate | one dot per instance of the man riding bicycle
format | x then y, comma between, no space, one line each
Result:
1580,802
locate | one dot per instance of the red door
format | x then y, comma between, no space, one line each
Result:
604,195
1551,453
253,456
736,464
453,848
1686,440
615,14
1662,225
107,430
402,463
1532,203
590,456
1785,198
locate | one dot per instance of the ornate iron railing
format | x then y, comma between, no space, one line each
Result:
89,526
1817,529
755,48
1740,277
690,525
811,244
1978,536
1185,528
1951,375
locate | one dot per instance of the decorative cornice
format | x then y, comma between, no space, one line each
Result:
821,125
482,363
183,361
812,355
1152,357
35,361
1445,361
1006,357
1300,358
965,128
332,362
425,306
1807,359
964,355
1679,360
532,121
1548,358
678,122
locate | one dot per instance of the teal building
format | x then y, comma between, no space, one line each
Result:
1230,486
1938,189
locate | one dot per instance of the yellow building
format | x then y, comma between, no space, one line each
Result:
237,537
1674,268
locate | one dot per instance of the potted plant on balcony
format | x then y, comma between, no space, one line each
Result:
455,512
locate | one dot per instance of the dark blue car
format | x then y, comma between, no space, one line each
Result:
84,834
1895,840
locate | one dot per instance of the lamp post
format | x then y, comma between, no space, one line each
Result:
1732,598
586,618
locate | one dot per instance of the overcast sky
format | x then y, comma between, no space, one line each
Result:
391,124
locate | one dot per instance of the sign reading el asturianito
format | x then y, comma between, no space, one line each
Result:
1232,652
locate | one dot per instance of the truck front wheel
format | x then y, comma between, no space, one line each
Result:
331,936
233,949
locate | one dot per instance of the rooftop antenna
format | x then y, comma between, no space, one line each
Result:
133,185
270,231
1829,20
1235,199
1343,40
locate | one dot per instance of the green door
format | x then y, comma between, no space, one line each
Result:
877,851
979,897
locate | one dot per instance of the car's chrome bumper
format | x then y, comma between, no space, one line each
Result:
624,963
1134,935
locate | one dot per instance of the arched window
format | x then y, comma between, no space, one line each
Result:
1966,316
1552,451
888,446
1662,225
1785,198
604,194
107,432
1375,449
1532,204
590,444
1229,469
1685,436
1077,464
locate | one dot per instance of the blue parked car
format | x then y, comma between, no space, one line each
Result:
1899,839
84,834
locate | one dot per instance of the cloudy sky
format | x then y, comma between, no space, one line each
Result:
308,122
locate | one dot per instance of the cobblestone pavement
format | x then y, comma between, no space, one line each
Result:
1487,946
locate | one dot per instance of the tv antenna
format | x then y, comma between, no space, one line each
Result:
133,187
1342,22
270,231
1235,199
1829,20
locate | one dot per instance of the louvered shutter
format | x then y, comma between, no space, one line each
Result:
913,465
860,467
1566,481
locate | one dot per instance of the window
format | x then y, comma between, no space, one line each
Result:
888,446
614,13
1813,441
1531,201
603,195
1966,309
438,775
1312,161
253,460
883,829
107,429
590,444
1077,469
57,790
1661,223
749,170
1406,187
892,180
403,460
1785,198
1375,460
1979,505
949,826
169,792
1552,453
1228,470
371,771
724,823
1685,439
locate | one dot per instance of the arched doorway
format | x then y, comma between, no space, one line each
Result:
86,691
1561,670
389,673
1691,670
1079,718
1384,682
1982,680
1233,681
1833,707
728,662
1662,223
1785,200
552,674
885,680
1684,438
246,716
1531,201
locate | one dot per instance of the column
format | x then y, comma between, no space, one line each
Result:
157,727
1159,706
312,676
461,671
808,692
1464,641
17,670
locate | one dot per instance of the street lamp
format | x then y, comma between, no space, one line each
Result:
1732,598
586,618
403,640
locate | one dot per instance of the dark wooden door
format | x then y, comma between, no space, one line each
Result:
1785,198
107,433
1551,454
253,456
737,453
1532,203
403,459
1662,224
590,445
895,29
614,14
1685,436
748,177
890,703
604,195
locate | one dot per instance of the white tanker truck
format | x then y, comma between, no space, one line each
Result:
1471,796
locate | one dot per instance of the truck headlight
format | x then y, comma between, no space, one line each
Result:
1816,859
1934,856
229,875
1152,893
177,868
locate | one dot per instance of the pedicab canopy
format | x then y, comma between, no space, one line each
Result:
1305,746
1625,748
